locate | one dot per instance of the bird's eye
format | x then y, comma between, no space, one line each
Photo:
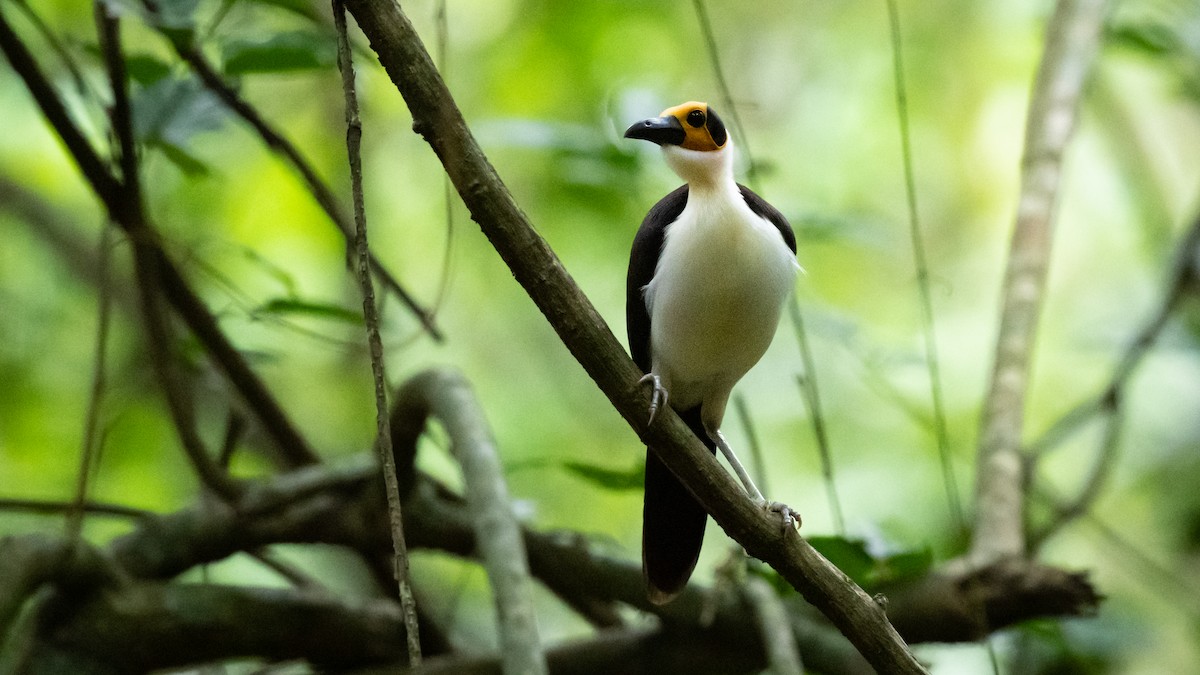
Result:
696,118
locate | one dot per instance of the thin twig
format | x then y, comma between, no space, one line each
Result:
383,435
1109,403
442,45
1072,40
919,258
158,335
90,441
1183,275
81,84
756,454
81,151
810,394
42,506
714,56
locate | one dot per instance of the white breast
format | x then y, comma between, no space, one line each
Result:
716,296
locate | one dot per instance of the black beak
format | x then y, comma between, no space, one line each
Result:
661,130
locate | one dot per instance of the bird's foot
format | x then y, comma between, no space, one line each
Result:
789,519
658,394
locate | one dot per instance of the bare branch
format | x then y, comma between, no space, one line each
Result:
383,432
141,629
968,605
1072,39
343,506
497,531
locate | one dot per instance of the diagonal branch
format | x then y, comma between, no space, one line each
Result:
1072,40
585,334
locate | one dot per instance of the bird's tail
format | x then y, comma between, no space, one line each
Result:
672,523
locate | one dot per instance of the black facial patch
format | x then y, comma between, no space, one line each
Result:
716,128
696,118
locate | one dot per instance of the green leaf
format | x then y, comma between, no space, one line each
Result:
1151,38
609,479
145,69
902,566
184,160
177,15
169,112
283,52
296,307
849,555
174,109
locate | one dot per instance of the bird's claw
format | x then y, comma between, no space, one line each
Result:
658,394
789,519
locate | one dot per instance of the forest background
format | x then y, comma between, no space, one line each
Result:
1112,413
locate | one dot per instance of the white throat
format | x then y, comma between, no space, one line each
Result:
701,169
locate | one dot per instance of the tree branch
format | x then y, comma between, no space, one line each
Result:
589,339
141,628
1072,40
383,435
497,532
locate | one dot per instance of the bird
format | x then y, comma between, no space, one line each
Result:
709,271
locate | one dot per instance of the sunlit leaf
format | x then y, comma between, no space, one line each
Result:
282,52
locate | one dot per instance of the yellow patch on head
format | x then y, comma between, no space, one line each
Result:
704,130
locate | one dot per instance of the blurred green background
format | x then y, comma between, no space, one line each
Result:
548,87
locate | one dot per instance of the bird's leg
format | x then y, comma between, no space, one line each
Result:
790,518
658,394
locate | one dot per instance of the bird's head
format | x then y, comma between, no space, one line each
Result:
694,141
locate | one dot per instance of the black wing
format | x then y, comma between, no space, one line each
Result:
762,209
643,259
